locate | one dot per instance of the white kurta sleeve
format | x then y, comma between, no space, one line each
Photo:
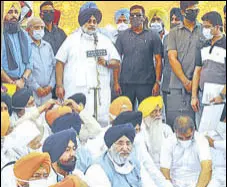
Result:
166,154
90,128
220,145
63,52
112,52
203,148
96,177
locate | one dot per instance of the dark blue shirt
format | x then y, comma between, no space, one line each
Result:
137,52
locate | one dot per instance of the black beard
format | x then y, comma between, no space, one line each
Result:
68,166
11,27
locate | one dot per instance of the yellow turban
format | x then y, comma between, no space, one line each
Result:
159,13
149,104
119,105
25,167
52,115
5,123
71,181
8,5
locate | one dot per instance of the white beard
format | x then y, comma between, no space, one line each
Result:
154,130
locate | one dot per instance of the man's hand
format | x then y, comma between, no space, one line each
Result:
156,90
195,104
101,61
50,103
211,141
60,92
47,90
71,103
41,92
188,86
19,83
117,89
217,100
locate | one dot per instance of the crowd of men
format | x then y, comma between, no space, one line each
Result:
113,106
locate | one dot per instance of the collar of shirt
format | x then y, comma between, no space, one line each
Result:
43,43
144,30
54,29
197,25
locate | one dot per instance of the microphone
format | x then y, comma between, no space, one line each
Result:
95,38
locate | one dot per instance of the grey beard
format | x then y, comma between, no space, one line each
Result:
119,160
88,31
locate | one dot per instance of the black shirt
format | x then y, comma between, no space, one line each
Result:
137,52
56,37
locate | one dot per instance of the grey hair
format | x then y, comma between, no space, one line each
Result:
183,123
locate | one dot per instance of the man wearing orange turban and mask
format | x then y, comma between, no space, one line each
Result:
31,170
153,129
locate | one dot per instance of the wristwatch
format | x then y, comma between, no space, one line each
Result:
24,78
159,82
106,63
223,96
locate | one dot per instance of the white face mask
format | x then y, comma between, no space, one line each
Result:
185,144
38,183
30,109
38,34
207,33
122,26
156,26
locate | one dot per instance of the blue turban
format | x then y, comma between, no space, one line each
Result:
56,144
8,101
79,98
122,12
177,13
87,10
70,120
129,117
20,98
116,132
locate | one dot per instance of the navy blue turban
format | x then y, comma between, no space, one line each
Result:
20,98
56,144
116,132
79,98
87,10
177,13
68,121
8,101
129,117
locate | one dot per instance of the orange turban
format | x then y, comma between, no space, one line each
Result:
5,123
25,167
121,104
71,181
52,115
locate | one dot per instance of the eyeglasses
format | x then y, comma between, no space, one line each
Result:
121,144
47,11
13,11
136,15
192,10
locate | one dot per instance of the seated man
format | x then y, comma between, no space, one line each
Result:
62,148
117,166
153,129
32,169
185,156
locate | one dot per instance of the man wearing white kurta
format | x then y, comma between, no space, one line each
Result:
185,157
76,72
153,129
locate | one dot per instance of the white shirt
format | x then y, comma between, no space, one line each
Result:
184,164
81,73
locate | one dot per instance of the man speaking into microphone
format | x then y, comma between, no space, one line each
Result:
84,62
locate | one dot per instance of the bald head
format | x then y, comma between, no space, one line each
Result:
183,123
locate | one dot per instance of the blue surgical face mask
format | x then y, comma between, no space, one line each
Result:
157,27
207,33
38,34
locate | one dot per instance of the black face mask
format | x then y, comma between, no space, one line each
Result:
48,17
191,15
11,27
69,166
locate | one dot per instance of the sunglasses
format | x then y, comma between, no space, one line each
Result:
136,15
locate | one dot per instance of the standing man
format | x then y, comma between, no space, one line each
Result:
175,19
16,64
139,78
85,60
211,62
43,77
182,44
53,34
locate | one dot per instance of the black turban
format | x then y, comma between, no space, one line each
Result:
20,98
68,121
8,101
86,11
116,132
56,144
79,98
129,117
